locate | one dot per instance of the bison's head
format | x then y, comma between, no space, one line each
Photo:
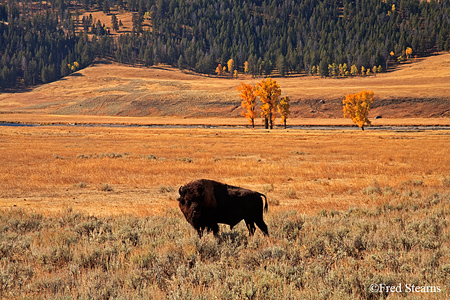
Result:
191,201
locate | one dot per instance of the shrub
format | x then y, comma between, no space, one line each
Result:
81,185
56,257
165,189
106,187
185,159
288,226
291,194
372,189
413,183
208,248
92,227
267,188
21,223
446,181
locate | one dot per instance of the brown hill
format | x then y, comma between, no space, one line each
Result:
416,89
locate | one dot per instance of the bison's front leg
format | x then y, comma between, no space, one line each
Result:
212,227
215,229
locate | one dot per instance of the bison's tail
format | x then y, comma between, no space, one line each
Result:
266,207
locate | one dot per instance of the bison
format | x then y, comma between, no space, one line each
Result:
205,203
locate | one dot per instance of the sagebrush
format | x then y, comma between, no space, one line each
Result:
331,255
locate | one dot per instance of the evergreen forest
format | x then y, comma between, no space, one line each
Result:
43,41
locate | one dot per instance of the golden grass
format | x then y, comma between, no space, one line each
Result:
110,171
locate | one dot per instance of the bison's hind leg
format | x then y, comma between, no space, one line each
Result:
262,225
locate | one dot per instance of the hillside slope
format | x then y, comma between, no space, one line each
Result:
419,89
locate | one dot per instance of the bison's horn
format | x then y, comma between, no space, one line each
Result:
180,191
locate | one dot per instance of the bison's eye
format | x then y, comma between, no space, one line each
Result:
181,201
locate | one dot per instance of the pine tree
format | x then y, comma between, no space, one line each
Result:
114,23
281,65
105,6
148,57
323,67
65,68
181,62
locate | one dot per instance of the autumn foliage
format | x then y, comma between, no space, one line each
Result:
248,96
283,109
408,52
230,65
219,69
269,92
357,106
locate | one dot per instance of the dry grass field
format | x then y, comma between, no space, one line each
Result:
137,171
91,213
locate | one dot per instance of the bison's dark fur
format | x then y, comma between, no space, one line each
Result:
205,203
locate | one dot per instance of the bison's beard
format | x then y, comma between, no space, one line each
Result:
192,214
196,214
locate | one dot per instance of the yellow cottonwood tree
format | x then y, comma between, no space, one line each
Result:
219,69
283,109
74,67
230,64
357,106
354,70
408,52
248,96
269,91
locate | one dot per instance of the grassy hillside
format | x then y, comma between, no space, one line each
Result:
418,89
